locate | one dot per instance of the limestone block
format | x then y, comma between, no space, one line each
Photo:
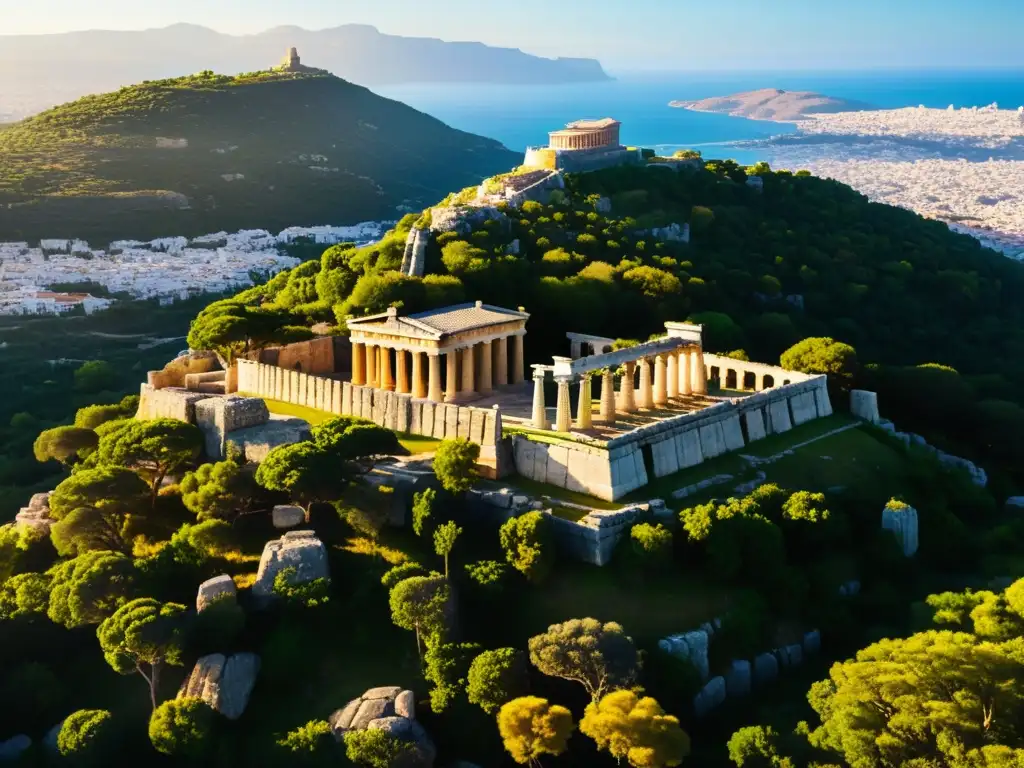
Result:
639,467
216,417
301,550
366,403
387,417
778,416
623,474
522,456
688,448
293,387
491,434
346,398
168,404
477,418
429,417
558,465
901,519
732,433
404,405
416,418
287,516
692,646
465,418
218,588
540,462
279,377
666,460
822,402
712,440
803,408
864,405
256,442
738,678
812,642
711,696
451,422
589,473
377,413
766,668
224,683
754,422
790,655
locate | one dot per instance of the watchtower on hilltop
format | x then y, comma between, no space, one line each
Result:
291,61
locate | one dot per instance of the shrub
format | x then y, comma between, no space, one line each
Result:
401,572
652,543
527,543
496,677
455,464
87,737
182,727
489,574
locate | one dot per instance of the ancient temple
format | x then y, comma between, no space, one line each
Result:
583,145
587,134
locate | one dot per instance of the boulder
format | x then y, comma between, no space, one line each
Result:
223,682
405,705
692,646
738,678
389,709
812,642
37,513
12,749
215,589
790,655
300,550
712,695
288,516
901,519
1015,502
864,405
766,668
50,739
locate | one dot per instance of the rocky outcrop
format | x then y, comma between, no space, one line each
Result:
414,259
36,514
389,709
223,682
286,516
673,233
300,550
901,519
464,219
214,590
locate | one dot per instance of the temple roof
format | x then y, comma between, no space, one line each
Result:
592,125
437,323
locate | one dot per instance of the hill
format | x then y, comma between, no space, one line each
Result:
37,71
773,104
210,152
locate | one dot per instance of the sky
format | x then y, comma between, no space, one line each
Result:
624,34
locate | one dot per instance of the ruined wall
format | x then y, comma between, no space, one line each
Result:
173,374
313,356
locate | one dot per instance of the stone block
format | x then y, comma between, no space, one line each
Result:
812,642
540,462
224,683
300,550
12,749
377,408
732,433
688,448
404,403
822,402
346,398
522,456
778,416
712,440
766,668
451,422
491,434
464,422
558,465
738,678
217,417
215,589
754,422
416,418
286,516
803,408
477,418
711,696
864,405
901,519
293,387
279,377
177,404
256,442
790,655
666,461
428,417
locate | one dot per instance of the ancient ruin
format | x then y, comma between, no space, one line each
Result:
583,145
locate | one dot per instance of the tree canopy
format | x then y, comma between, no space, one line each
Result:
531,727
599,656
636,730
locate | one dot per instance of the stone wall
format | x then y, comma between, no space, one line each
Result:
313,356
170,403
173,374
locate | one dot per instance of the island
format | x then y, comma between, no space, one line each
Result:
773,104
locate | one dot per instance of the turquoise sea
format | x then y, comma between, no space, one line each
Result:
520,116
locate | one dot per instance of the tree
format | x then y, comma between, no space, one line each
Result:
421,604
636,730
93,508
526,541
401,572
455,464
652,282
156,448
652,543
64,444
823,355
356,441
218,490
489,574
496,677
90,587
95,376
447,665
530,727
24,595
422,509
230,329
756,746
182,728
598,656
302,470
87,737
143,633
379,749
460,257
444,541
91,416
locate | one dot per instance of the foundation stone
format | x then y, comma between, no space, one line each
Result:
864,405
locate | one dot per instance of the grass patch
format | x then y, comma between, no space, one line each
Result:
534,488
568,513
418,443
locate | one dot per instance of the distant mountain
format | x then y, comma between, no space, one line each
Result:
211,152
38,71
773,104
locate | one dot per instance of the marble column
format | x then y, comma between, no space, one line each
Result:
540,414
660,385
486,360
358,364
501,363
673,375
518,368
584,407
434,385
452,388
627,400
371,366
698,374
563,409
645,398
419,383
686,373
608,396
468,364
402,372
387,381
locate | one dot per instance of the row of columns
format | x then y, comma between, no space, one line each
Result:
371,367
584,140
675,373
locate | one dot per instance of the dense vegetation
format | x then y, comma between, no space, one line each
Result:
297,148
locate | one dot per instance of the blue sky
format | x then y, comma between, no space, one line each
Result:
623,34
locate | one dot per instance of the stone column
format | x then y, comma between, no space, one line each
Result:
563,410
486,360
434,387
402,366
608,396
518,368
358,364
501,367
371,366
673,375
698,374
584,406
646,397
419,383
660,385
627,402
540,414
468,385
452,390
387,381
686,373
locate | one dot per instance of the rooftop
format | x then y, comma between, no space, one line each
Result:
592,125
436,323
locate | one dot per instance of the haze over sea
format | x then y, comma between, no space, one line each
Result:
520,116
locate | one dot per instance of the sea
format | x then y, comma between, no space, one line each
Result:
521,115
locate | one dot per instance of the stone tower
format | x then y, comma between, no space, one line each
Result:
291,62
